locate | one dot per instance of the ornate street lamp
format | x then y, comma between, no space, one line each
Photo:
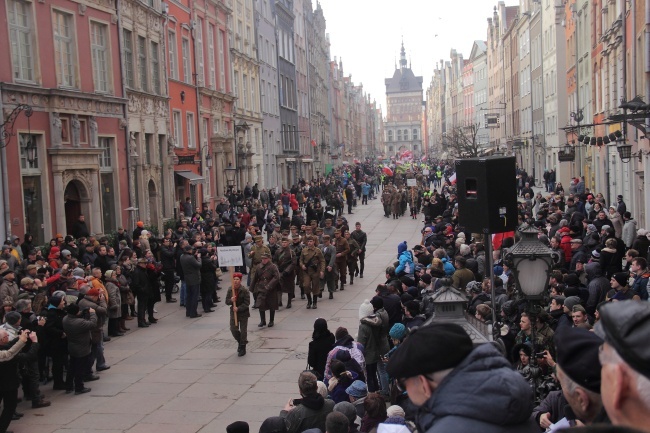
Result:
318,165
624,149
231,173
531,262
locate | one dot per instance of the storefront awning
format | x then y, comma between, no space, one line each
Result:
192,177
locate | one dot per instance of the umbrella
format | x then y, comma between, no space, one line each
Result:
387,171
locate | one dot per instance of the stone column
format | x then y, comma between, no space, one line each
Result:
59,202
95,203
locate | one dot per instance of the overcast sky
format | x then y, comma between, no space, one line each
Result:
367,35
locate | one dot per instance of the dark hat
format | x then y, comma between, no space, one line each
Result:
13,317
577,356
405,297
407,281
68,239
55,300
571,301
621,278
571,280
430,348
377,303
426,278
341,332
625,326
274,424
188,248
238,427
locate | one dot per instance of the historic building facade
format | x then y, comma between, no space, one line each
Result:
403,125
247,115
69,157
142,36
318,46
269,104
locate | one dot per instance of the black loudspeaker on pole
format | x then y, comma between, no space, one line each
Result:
487,194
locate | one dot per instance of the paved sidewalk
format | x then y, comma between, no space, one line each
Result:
183,375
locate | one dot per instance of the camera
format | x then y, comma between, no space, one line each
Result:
540,355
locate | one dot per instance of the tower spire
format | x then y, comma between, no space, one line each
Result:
402,56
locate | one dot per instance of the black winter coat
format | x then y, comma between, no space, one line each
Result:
318,350
53,330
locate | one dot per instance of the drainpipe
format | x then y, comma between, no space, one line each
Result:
5,218
120,38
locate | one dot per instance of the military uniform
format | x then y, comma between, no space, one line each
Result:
395,203
285,261
386,200
361,238
352,258
265,282
240,331
329,254
257,251
312,263
296,248
342,248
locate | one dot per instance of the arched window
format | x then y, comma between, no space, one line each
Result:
399,135
415,134
406,135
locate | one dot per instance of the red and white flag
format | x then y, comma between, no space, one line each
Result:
452,179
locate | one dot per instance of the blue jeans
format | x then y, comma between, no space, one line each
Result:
192,300
383,377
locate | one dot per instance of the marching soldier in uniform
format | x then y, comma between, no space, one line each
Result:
296,246
395,202
352,256
312,264
265,282
329,254
361,238
342,251
239,299
386,196
286,263
255,255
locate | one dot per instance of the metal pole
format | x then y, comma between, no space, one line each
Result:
490,268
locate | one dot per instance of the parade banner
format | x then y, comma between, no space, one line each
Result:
230,256
411,182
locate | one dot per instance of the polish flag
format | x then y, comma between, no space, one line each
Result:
452,179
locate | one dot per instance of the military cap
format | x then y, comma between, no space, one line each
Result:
577,356
625,325
285,239
258,238
266,255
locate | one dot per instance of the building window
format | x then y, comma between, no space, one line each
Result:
399,135
222,61
199,52
406,135
191,142
390,135
185,52
142,63
211,62
108,201
127,36
99,48
155,69
20,35
253,99
64,51
178,128
105,158
415,134
236,84
173,56
244,92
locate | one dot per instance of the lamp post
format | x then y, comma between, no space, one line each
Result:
318,165
231,173
531,262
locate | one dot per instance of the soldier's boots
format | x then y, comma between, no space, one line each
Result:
241,351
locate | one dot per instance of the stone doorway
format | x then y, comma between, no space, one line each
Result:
75,194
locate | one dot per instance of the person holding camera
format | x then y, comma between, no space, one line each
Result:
9,377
